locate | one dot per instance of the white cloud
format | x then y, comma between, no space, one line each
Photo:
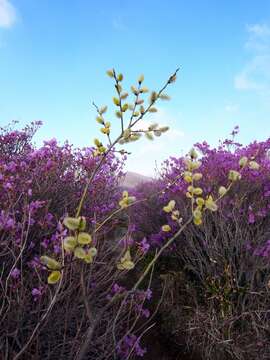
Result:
259,30
258,38
7,14
241,82
244,81
255,74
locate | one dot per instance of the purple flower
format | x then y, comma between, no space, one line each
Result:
15,273
130,343
7,186
251,218
145,313
117,289
37,292
50,143
56,249
148,294
144,245
139,350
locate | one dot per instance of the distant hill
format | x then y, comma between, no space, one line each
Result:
132,179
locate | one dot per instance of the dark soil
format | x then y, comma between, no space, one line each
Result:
159,347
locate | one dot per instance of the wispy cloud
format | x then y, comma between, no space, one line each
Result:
259,37
7,14
255,74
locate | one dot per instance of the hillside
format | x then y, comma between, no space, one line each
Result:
132,179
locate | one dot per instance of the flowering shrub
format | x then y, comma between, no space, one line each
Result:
79,257
37,188
59,209
221,264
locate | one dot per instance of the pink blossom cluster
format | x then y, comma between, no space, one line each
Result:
39,186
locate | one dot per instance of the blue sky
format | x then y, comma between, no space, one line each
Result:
54,54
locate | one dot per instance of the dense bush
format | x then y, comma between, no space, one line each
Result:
219,271
37,188
91,272
66,242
